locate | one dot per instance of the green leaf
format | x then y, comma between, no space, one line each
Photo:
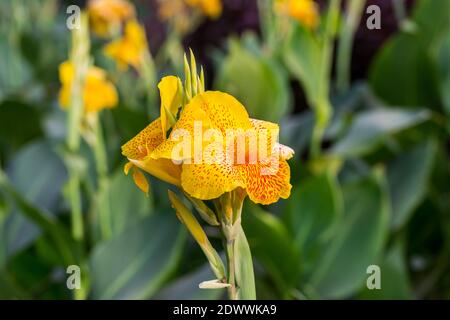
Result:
370,128
128,204
267,97
404,73
444,67
135,264
186,287
13,113
357,241
311,214
36,176
394,277
432,18
302,55
15,71
245,277
408,175
272,246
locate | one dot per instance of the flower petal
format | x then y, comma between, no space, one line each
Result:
170,90
144,142
163,169
209,181
141,181
266,183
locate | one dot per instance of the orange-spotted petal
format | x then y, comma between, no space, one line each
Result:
267,183
144,142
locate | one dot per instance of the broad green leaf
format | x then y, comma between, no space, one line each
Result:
311,214
15,71
302,55
129,121
135,264
257,82
432,18
394,277
245,277
13,113
408,176
272,245
370,128
357,241
404,73
186,287
41,218
444,67
128,204
37,175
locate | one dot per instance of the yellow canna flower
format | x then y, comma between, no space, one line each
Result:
107,15
266,179
98,92
210,8
129,49
304,11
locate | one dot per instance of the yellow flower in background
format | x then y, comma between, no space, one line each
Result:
107,15
129,49
210,8
98,92
180,12
304,11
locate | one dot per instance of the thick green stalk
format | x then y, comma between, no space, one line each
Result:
230,219
101,162
232,290
80,60
346,37
147,72
322,106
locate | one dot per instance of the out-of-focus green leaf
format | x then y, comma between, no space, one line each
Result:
38,175
129,121
128,204
272,245
257,82
245,276
19,123
408,176
405,74
296,131
134,264
372,127
394,277
186,287
357,242
15,72
444,67
42,219
302,56
311,214
432,18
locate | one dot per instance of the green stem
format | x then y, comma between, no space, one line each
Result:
322,107
232,290
230,220
101,162
80,60
147,73
75,204
346,37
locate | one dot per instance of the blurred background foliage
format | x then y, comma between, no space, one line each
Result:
378,193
